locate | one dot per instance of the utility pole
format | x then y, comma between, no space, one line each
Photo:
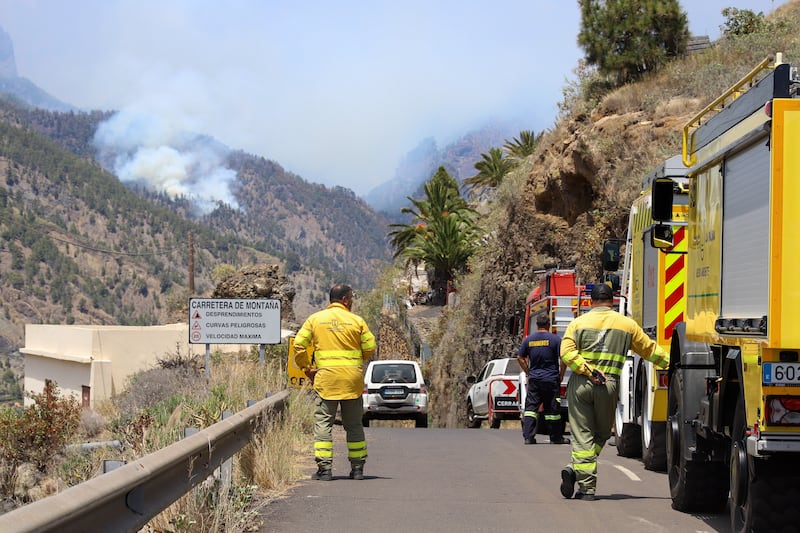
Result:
191,263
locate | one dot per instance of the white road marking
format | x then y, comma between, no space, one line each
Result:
631,475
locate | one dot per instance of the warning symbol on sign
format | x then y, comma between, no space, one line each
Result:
196,314
195,325
196,336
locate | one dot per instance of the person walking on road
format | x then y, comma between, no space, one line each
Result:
339,342
539,357
594,347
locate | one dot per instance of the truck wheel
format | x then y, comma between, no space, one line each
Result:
693,485
472,422
763,494
654,448
495,421
629,440
421,421
365,421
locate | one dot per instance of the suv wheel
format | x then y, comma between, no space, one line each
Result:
365,421
472,422
421,420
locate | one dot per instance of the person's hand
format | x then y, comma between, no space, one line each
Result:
597,377
310,373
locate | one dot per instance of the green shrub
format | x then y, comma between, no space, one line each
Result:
37,433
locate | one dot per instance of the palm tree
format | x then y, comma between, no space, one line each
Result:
522,146
491,170
442,234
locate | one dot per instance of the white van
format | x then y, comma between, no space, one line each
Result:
395,390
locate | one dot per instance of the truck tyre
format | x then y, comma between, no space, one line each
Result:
654,434
693,485
654,453
763,494
629,440
365,421
421,421
495,421
472,421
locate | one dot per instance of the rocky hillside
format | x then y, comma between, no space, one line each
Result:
575,191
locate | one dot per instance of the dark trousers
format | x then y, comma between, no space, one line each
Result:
542,393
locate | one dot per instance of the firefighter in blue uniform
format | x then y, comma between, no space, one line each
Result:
539,357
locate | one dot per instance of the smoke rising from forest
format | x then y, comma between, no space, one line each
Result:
145,149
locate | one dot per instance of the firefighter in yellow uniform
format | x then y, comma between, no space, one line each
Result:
341,343
594,347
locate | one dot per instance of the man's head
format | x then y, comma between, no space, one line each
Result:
542,322
602,294
342,294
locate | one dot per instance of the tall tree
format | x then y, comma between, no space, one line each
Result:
629,38
492,169
442,234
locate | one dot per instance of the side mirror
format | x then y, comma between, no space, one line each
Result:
611,256
471,380
661,236
661,199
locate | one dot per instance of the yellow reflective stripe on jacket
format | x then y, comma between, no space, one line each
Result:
335,358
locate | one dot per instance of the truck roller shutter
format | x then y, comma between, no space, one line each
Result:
745,246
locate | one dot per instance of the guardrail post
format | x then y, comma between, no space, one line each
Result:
111,464
226,470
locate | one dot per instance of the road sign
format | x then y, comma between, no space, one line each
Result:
234,321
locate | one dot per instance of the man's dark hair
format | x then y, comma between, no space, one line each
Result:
338,292
542,321
602,293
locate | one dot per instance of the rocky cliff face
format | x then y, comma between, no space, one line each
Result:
574,194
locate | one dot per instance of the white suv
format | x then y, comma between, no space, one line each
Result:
394,390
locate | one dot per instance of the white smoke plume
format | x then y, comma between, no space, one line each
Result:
142,148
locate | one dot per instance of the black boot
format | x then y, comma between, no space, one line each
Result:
357,472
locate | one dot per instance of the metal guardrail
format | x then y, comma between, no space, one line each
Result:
128,497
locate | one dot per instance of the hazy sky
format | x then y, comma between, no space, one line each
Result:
335,91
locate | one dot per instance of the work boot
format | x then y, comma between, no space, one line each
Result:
562,440
530,441
584,496
357,472
567,482
322,474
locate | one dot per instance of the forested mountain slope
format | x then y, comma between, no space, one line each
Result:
78,246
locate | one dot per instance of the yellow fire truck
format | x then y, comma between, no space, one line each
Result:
654,283
733,427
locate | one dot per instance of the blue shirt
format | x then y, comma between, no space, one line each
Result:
543,350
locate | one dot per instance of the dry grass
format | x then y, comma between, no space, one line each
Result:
271,463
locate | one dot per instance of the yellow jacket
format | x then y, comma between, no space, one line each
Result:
601,338
341,343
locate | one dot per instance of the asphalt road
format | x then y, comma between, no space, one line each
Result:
470,480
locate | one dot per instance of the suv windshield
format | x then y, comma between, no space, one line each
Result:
393,373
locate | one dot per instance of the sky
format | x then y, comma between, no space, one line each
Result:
334,91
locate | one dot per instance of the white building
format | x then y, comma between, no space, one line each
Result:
93,363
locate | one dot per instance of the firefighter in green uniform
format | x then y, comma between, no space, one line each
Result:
341,343
594,348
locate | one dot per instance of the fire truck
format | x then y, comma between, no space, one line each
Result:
561,297
733,405
654,283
